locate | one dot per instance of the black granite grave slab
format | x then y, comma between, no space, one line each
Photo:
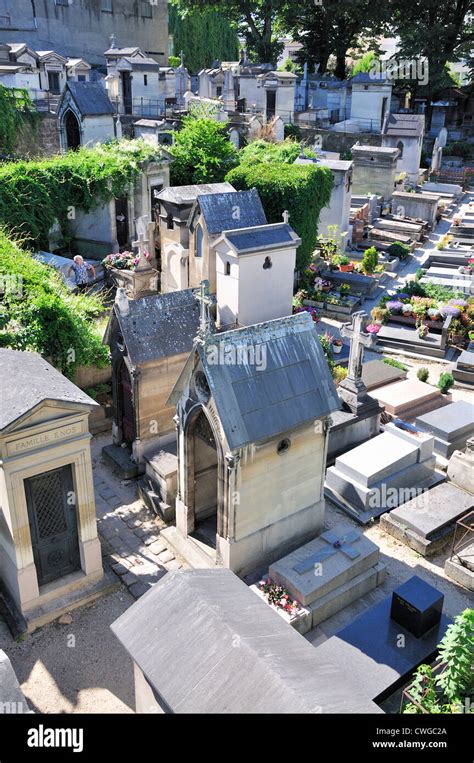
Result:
379,653
417,606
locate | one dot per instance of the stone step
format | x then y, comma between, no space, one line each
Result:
119,459
187,548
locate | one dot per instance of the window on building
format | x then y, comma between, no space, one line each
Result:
170,222
145,80
146,9
81,78
106,6
218,91
283,446
400,148
199,237
61,2
227,268
268,263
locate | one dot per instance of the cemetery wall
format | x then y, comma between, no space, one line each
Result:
340,141
42,141
81,29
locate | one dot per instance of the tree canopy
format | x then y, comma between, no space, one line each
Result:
203,37
202,152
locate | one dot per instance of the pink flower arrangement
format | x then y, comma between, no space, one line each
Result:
311,310
373,328
278,596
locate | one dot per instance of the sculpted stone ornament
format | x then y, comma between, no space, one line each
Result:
352,390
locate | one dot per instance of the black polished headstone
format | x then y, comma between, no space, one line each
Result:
417,606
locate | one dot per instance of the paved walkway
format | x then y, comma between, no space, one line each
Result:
129,532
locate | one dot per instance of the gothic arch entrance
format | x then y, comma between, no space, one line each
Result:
204,471
72,131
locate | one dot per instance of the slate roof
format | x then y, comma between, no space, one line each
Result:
26,380
265,237
404,125
258,400
183,632
365,78
161,325
187,194
91,98
219,210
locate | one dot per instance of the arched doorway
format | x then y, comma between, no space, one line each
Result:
126,409
73,131
203,479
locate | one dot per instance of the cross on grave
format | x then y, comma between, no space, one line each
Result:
142,245
203,296
359,339
335,544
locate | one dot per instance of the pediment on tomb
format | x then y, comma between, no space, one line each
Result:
46,412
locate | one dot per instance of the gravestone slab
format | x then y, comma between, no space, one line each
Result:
376,374
451,426
410,398
463,370
381,474
368,649
330,572
426,523
461,467
417,606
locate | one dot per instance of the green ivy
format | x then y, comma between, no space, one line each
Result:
301,189
16,110
39,313
33,194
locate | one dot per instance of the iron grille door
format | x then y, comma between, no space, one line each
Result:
52,515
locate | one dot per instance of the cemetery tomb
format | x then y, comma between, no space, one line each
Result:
463,370
382,473
405,339
426,522
330,572
461,467
377,374
451,426
410,398
50,555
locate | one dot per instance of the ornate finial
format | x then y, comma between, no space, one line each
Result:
112,41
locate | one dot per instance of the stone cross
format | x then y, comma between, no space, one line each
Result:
335,544
181,55
142,245
359,339
203,296
286,216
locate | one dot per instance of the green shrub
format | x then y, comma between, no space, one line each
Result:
301,189
423,374
370,260
459,148
397,249
446,381
41,314
202,151
261,151
395,363
293,131
174,61
16,111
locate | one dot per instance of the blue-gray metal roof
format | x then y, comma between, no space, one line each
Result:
91,98
182,634
161,325
266,237
229,211
26,380
279,380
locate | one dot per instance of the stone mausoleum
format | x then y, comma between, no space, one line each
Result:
50,555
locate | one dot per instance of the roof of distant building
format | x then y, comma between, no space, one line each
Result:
91,98
404,125
187,194
262,238
229,211
158,326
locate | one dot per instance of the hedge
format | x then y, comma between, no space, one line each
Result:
301,189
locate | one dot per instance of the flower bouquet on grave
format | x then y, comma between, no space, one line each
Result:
422,331
336,346
279,597
307,309
120,261
373,328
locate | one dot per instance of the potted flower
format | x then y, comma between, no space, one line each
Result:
394,306
373,328
334,262
457,219
457,332
422,331
336,346
345,265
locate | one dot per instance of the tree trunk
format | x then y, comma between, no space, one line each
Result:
340,70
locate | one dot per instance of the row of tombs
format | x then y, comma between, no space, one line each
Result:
221,398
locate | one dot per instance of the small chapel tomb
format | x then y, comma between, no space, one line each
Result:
50,555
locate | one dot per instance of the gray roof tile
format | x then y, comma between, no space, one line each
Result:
26,380
265,237
91,98
229,211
